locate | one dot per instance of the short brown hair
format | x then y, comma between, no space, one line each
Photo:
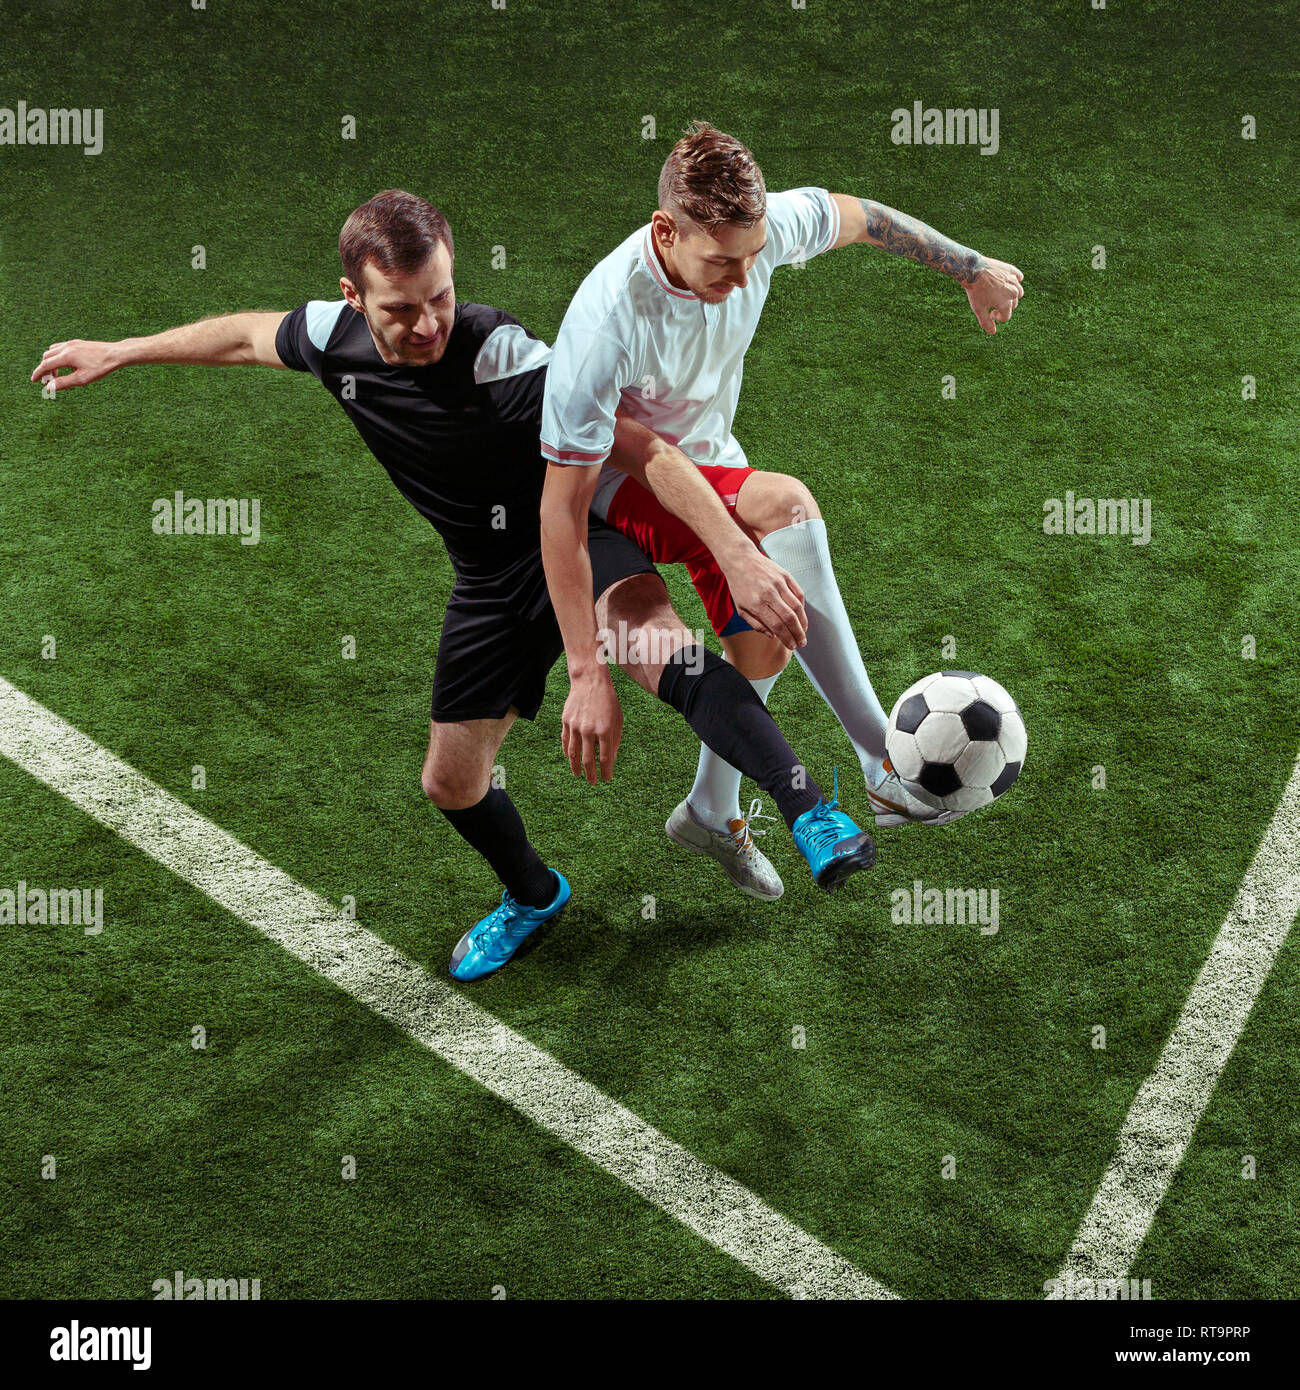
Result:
395,231
712,179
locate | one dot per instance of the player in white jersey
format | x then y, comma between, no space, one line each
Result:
659,330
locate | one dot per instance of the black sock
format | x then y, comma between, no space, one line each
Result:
725,711
494,828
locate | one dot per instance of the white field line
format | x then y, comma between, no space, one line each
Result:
1173,1098
714,1206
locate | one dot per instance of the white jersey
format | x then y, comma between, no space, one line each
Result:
631,339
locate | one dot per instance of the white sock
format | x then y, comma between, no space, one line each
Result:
831,658
715,797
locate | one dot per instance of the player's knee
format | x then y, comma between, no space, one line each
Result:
649,644
634,602
433,785
640,627
783,501
658,641
755,656
451,788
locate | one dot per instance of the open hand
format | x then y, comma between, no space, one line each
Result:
768,598
592,718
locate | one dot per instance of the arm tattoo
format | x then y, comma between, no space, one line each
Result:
905,236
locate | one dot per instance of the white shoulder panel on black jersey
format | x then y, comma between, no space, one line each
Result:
321,316
507,351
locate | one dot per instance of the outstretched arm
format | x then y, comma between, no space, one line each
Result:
994,288
232,340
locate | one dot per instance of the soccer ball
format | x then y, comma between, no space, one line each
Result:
957,740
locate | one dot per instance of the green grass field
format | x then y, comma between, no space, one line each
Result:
1119,127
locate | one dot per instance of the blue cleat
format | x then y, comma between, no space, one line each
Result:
490,943
831,843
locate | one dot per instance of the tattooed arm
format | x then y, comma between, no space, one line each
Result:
993,287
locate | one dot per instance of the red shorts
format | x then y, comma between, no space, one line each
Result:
667,540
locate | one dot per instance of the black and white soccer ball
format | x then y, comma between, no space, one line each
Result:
957,740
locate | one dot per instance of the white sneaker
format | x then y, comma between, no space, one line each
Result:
734,848
893,804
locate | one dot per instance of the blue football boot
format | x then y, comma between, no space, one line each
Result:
490,942
831,843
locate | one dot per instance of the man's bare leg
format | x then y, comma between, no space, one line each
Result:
639,608
457,778
458,765
664,658
714,798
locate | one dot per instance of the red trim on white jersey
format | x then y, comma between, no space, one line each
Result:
571,455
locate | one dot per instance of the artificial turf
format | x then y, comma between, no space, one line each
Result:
1118,127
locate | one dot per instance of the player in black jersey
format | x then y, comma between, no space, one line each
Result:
448,398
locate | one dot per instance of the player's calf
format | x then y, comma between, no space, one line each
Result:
727,714
457,778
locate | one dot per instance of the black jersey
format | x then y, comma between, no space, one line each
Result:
459,438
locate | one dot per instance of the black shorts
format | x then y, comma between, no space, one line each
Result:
500,636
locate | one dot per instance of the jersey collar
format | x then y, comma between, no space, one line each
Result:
650,258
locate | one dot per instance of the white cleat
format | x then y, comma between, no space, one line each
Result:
892,804
741,859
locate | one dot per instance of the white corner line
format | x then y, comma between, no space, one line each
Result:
717,1208
1171,1101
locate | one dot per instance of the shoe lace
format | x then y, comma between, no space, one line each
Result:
823,830
495,926
824,827
744,836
